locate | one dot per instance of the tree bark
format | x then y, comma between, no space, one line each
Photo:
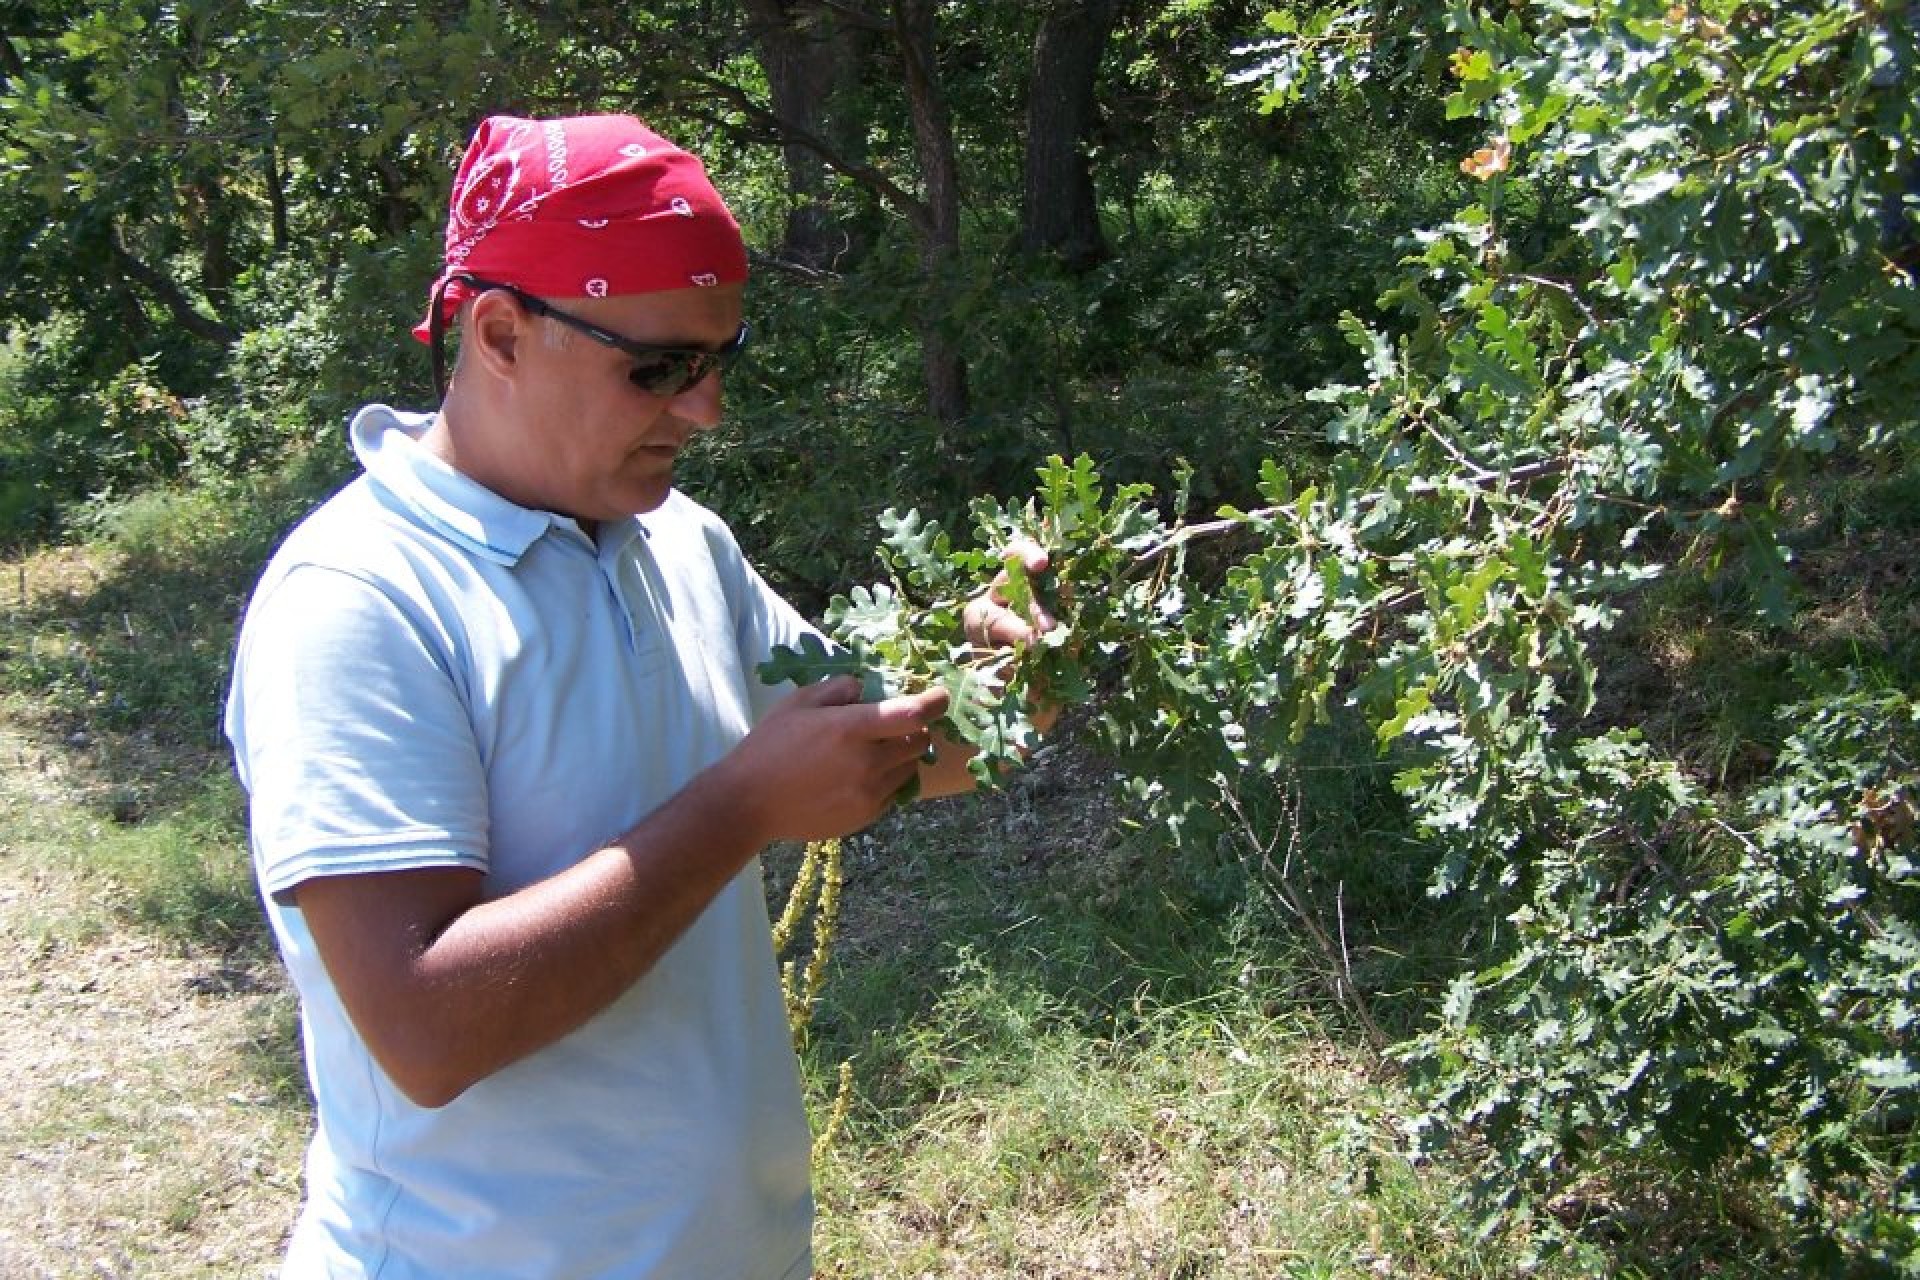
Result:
934,214
943,366
11,65
1058,213
810,60
393,203
211,220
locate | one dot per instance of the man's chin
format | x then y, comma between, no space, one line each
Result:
652,497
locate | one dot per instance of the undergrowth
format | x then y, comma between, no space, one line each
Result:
1074,1051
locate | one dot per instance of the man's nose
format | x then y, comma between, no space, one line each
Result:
699,404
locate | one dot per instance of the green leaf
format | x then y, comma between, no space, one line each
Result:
867,616
1895,1071
1017,589
917,546
1275,485
1529,565
812,661
1413,702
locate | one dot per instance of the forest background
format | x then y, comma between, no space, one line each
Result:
1484,520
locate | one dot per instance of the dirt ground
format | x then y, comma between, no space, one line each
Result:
147,1125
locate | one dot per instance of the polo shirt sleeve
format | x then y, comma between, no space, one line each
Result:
768,620
352,736
762,618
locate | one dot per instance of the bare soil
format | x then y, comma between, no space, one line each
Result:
147,1127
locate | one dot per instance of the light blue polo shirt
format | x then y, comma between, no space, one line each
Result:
431,676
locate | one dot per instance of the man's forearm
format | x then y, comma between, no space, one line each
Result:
447,988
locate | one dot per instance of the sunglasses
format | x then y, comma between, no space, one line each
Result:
658,371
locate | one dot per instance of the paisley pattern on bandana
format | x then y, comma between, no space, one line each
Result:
586,206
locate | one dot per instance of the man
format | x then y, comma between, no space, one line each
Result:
510,767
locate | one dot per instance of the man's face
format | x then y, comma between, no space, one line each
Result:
597,447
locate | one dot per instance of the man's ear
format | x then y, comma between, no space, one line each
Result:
495,325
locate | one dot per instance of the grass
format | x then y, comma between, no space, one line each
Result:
157,1112
1077,1055
1074,1052
1210,1140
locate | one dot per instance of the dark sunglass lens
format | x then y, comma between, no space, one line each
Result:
667,373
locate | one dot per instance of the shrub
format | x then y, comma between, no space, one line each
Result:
1677,981
313,356
68,433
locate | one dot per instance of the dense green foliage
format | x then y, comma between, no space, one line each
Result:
1584,524
1556,421
239,208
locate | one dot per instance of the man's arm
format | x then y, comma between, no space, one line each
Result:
447,988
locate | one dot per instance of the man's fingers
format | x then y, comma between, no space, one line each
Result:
1006,631
889,718
896,755
988,620
835,691
994,626
899,775
905,715
1032,556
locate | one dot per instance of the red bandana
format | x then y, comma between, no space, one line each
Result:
587,207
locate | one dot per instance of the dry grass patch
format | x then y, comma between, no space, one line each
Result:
149,1123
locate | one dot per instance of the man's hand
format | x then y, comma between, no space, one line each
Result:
990,623
823,763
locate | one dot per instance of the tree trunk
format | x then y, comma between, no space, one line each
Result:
941,361
810,62
277,199
210,219
394,207
11,65
1058,212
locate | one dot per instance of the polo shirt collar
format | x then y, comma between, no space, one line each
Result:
436,497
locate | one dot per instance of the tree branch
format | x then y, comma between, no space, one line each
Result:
1481,478
784,130
169,294
798,270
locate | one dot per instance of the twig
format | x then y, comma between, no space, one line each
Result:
783,129
1335,954
1561,286
1453,450
1340,919
1485,477
1183,534
799,270
1482,478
